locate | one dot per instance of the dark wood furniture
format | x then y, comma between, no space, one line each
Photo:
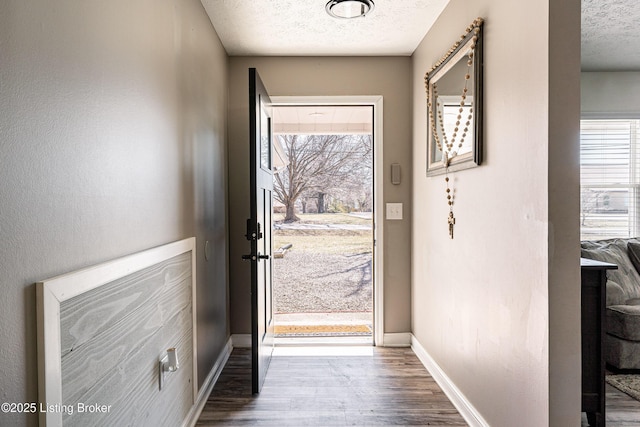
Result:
593,280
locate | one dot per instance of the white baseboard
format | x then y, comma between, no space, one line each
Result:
209,382
462,404
241,340
398,339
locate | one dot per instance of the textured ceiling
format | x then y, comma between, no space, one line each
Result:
303,28
395,27
610,40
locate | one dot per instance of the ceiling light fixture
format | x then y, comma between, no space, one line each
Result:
348,9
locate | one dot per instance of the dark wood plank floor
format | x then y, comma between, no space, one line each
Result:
388,387
621,410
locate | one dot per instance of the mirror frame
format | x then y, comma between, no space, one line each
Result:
472,38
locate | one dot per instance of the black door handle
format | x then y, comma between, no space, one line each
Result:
254,257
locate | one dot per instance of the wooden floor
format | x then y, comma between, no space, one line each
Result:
621,410
389,386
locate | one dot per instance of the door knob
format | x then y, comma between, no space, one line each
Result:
254,257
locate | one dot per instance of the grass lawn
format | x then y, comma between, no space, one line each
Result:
326,218
344,242
325,241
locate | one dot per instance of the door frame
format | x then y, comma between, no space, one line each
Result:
378,186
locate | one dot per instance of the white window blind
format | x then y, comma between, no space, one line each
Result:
609,179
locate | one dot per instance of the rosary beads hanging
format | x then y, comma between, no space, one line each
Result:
446,146
451,220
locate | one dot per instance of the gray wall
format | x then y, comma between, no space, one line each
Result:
326,76
498,307
610,94
112,133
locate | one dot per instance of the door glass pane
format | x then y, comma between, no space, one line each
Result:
265,138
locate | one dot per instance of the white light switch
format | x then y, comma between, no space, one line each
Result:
394,210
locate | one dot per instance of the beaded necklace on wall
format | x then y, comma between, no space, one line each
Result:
447,149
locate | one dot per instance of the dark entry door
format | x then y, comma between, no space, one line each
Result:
259,229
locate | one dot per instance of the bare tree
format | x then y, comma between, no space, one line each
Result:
357,189
353,186
317,163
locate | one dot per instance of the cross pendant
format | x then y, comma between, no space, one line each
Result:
452,222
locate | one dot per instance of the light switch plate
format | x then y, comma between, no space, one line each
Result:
394,211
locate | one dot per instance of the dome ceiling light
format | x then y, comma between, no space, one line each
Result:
348,9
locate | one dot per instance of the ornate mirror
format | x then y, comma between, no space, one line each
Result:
454,106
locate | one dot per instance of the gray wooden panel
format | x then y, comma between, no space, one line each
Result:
112,338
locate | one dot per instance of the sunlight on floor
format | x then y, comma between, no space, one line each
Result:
324,351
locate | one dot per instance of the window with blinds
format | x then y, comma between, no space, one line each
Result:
609,179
